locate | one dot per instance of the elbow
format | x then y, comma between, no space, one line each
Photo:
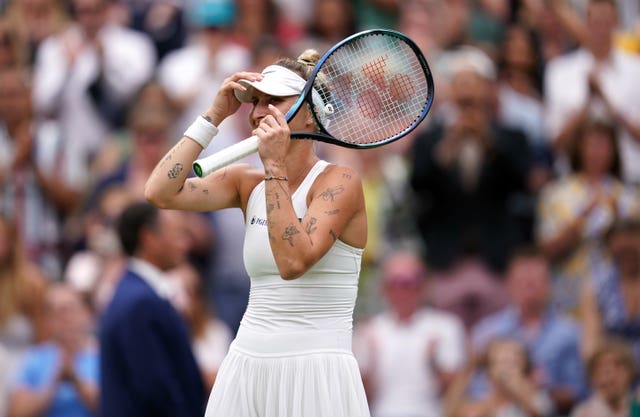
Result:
154,197
290,274
293,270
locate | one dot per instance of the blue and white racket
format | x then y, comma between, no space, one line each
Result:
375,88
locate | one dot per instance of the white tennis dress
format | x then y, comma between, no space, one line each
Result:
292,355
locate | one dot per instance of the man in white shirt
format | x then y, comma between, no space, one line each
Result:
408,354
85,76
596,81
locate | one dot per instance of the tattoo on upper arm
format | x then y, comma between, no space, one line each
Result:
332,212
346,175
289,232
333,235
192,186
311,226
330,193
175,171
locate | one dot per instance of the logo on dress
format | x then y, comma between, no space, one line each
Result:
259,221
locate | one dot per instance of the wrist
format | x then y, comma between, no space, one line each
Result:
213,117
202,131
274,168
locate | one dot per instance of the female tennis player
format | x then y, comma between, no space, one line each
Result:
306,229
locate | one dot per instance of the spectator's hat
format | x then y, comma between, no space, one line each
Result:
212,13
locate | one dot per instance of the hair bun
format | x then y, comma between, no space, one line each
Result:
309,57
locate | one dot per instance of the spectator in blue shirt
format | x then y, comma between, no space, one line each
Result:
59,378
552,340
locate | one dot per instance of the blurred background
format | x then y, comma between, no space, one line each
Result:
502,272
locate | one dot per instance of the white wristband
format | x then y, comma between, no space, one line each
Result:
202,131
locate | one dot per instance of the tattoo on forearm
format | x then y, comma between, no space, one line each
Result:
330,193
289,232
332,212
168,157
207,118
285,189
222,175
333,235
175,171
205,191
311,226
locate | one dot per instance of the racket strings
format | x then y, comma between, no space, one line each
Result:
378,90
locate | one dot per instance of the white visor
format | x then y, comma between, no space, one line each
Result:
278,82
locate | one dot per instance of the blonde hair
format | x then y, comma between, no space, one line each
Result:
303,65
21,283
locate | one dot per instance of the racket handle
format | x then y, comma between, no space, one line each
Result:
205,166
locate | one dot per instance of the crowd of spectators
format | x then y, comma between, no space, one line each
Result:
502,271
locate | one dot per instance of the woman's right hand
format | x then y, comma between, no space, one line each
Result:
225,102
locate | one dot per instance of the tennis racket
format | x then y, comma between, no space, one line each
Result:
375,87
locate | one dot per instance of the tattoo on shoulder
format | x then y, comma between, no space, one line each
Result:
175,171
346,175
311,226
330,193
289,232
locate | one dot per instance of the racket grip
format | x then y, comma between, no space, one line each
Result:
205,166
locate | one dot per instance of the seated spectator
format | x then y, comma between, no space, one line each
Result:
22,288
60,376
210,337
552,340
575,212
611,369
408,353
610,305
513,390
42,178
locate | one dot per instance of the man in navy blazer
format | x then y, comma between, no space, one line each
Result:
147,363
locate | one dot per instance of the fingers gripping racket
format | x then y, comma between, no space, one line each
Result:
375,87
